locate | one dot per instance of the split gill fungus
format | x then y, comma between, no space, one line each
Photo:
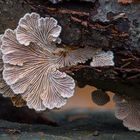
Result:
30,61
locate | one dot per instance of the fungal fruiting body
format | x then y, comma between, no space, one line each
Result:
30,67
31,62
4,88
103,59
128,110
28,71
71,57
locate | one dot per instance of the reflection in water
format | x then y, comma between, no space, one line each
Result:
82,99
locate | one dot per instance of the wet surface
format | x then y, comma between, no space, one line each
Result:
78,124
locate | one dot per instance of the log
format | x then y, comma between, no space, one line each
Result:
102,24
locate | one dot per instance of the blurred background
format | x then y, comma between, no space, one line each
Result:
82,99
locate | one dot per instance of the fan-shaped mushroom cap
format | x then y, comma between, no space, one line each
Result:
31,62
4,88
129,112
69,57
100,97
102,59
30,72
43,31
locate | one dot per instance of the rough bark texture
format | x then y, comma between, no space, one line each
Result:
98,23
105,24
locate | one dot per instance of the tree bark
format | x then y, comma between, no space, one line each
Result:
98,23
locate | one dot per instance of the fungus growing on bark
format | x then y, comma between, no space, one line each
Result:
32,61
128,112
100,97
70,57
4,88
28,71
102,59
42,31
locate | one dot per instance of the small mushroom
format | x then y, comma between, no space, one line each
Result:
127,110
70,57
102,59
100,97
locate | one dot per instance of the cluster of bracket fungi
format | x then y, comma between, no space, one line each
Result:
30,60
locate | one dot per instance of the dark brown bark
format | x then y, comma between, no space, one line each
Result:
103,24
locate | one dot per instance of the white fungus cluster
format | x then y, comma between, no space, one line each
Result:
30,63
